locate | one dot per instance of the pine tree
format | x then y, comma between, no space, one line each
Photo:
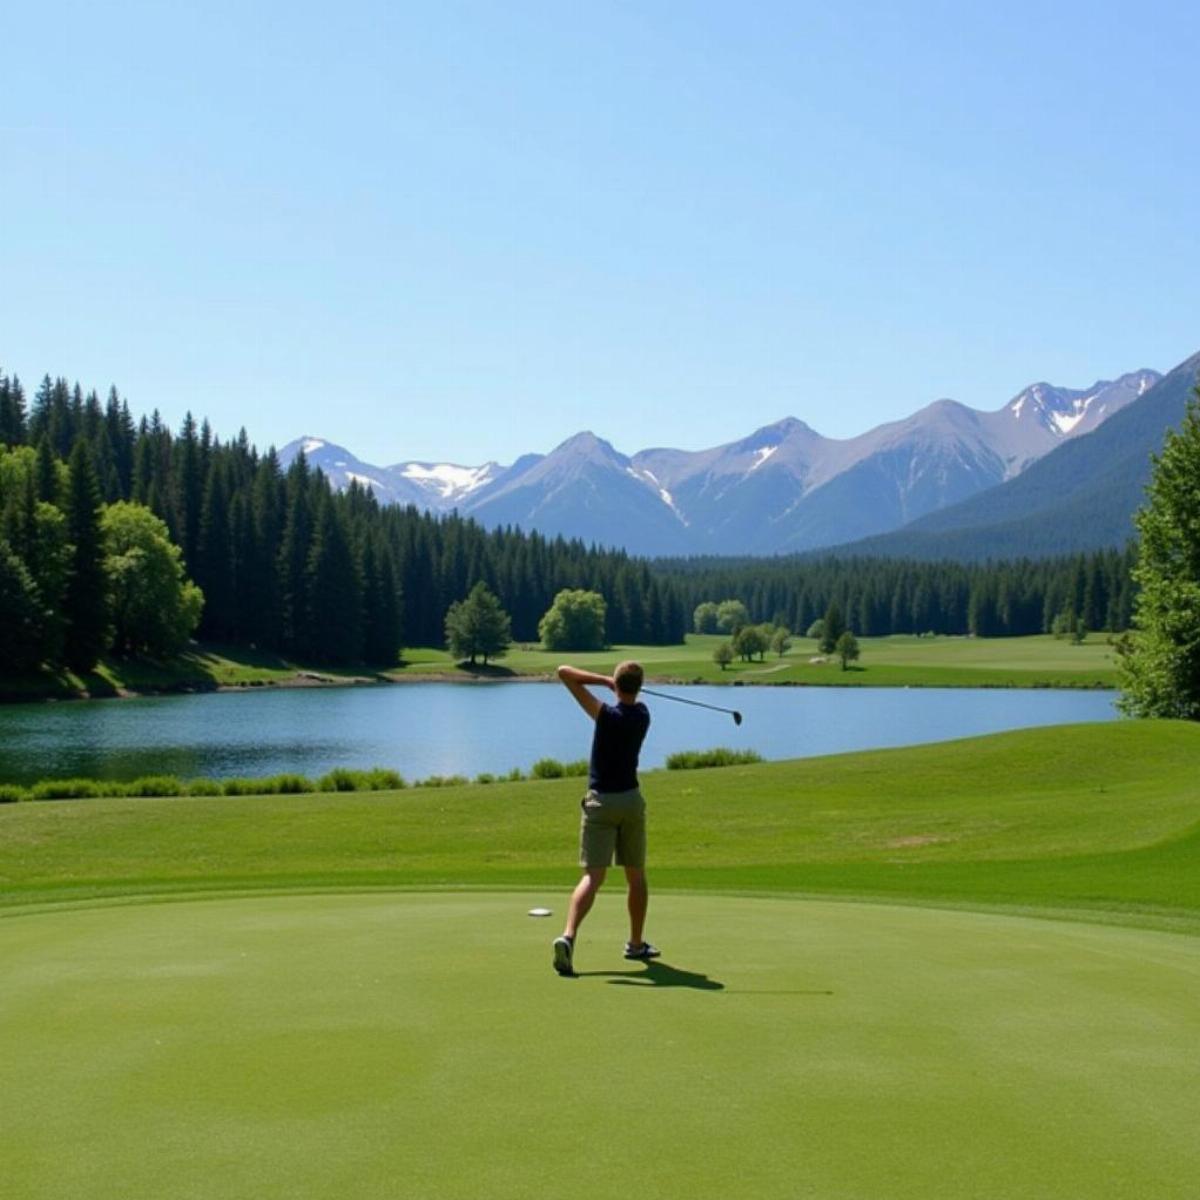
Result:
292,561
13,431
214,560
20,606
832,627
334,591
85,601
47,475
189,492
381,606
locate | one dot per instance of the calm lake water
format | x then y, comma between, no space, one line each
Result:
456,729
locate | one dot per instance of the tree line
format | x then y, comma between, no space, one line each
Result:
881,596
284,561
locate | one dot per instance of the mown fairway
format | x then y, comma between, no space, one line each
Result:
901,661
344,996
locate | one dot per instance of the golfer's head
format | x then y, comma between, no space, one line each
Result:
628,678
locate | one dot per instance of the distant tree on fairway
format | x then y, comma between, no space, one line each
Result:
816,629
575,621
833,625
731,616
1064,624
478,627
847,648
723,655
154,607
704,619
85,604
781,641
749,641
1160,665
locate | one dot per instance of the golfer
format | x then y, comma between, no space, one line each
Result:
614,813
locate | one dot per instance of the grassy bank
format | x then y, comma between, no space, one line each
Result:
1101,820
899,661
200,669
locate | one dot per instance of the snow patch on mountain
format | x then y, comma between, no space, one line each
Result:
448,479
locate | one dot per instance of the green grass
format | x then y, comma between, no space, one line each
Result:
1099,818
200,668
375,1046
899,661
943,971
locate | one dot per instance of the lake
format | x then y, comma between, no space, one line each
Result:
463,729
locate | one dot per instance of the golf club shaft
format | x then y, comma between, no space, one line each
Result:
694,703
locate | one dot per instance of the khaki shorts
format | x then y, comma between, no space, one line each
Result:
613,823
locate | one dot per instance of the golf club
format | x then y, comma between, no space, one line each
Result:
737,716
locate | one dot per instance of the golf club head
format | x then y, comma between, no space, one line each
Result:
737,718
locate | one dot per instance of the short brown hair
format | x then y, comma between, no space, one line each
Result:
628,677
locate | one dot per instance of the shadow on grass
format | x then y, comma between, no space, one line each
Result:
658,974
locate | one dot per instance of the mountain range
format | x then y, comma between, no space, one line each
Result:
784,489
1080,497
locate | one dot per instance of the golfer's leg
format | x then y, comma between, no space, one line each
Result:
582,898
639,900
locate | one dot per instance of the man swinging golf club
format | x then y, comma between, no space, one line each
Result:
614,813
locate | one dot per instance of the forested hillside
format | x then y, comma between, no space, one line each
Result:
881,596
283,560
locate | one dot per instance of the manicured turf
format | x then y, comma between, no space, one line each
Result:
381,1018
419,1045
900,661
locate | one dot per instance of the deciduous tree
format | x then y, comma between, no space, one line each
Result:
575,621
847,649
478,627
154,607
1160,665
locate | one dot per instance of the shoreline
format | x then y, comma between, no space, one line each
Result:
303,680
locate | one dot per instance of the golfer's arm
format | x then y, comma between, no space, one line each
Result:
576,682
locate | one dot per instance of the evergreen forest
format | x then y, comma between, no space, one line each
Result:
286,563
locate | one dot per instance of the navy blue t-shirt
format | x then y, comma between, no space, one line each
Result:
620,731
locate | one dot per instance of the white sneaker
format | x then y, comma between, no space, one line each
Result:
643,953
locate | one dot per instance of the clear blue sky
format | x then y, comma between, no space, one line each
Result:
467,230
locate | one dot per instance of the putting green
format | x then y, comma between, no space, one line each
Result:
418,1045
